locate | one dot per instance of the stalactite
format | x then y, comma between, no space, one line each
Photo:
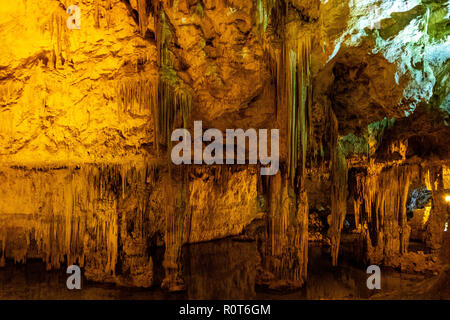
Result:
381,194
288,54
58,32
143,16
96,14
3,252
290,66
136,95
164,39
188,202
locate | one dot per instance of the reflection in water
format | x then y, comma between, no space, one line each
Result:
327,282
32,281
224,269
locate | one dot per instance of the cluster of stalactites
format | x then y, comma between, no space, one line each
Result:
290,68
163,40
380,211
300,94
147,8
289,61
79,225
174,97
136,95
174,107
102,8
263,14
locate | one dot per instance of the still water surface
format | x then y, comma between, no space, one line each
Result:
224,269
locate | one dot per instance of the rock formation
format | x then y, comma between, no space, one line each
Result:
358,89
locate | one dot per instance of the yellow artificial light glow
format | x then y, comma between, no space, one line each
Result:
447,198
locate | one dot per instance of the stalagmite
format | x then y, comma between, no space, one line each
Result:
136,95
286,249
78,223
338,191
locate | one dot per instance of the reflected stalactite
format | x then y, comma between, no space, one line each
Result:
77,223
204,204
174,96
136,96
